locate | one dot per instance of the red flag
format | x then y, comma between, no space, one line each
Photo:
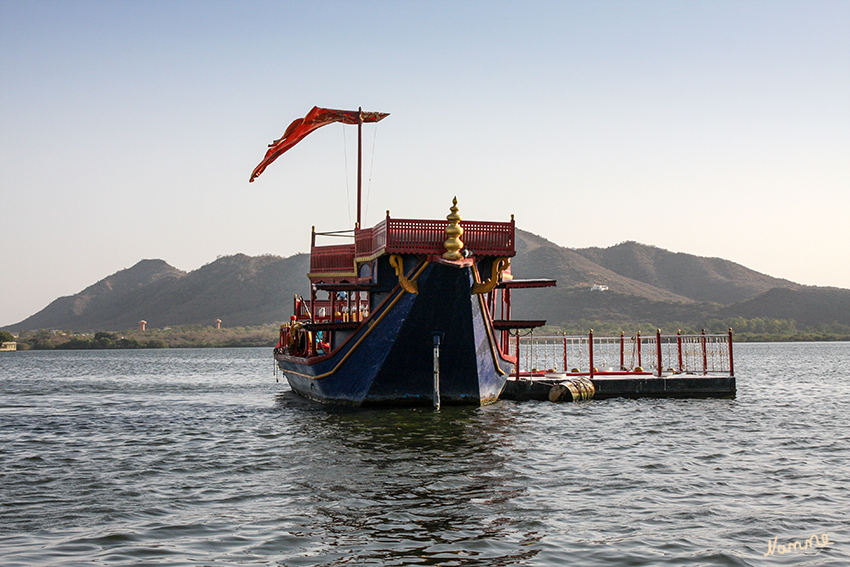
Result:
300,127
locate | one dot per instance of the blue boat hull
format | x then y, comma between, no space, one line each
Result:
390,359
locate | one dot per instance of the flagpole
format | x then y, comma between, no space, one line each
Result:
359,161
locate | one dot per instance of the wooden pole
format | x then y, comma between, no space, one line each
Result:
622,351
516,368
640,361
679,344
359,161
436,399
566,369
658,349
731,364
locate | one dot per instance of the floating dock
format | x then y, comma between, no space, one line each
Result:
580,368
674,386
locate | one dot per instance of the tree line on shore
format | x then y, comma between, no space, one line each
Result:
201,336
757,329
187,336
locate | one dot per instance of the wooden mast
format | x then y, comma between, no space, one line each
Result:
359,161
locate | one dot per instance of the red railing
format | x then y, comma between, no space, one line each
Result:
335,258
325,311
408,236
416,236
413,236
656,354
370,240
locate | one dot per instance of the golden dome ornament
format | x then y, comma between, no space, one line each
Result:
454,231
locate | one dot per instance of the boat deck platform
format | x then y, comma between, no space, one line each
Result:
626,385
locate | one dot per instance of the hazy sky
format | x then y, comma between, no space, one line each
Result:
128,130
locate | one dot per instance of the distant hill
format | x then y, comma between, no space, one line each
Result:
645,285
808,305
695,277
539,258
107,304
240,290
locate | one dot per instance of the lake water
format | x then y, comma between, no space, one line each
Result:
198,457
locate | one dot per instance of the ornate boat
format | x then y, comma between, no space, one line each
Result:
404,313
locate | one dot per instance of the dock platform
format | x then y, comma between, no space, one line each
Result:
576,368
624,386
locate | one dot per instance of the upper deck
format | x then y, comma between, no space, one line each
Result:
411,236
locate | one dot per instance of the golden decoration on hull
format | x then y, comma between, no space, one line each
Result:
407,285
499,266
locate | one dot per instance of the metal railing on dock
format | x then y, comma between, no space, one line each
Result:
657,355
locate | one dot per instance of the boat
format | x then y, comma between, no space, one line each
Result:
403,313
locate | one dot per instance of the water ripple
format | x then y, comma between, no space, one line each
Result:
198,457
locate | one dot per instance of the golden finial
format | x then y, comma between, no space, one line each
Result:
454,231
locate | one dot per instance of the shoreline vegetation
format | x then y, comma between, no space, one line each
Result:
184,336
205,336
757,330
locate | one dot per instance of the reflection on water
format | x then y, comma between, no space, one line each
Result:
198,457
412,483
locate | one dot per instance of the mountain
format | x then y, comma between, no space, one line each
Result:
539,258
808,305
651,285
645,285
100,306
240,290
695,277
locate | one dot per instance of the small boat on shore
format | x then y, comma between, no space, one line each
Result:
403,313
